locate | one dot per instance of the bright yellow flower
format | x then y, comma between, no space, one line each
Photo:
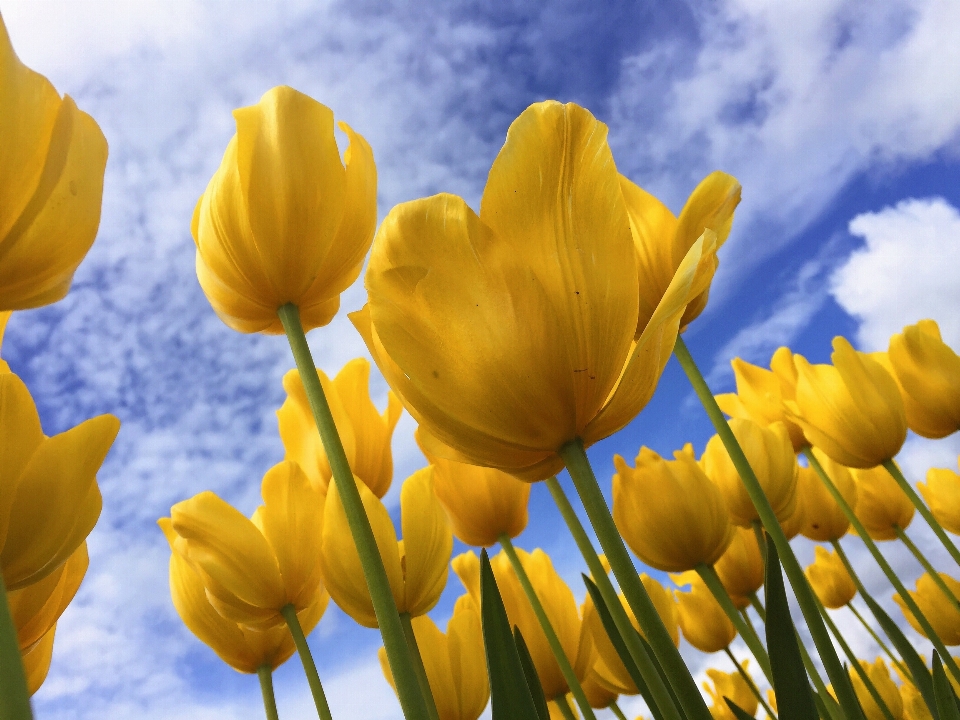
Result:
761,392
37,535
669,512
52,159
364,432
740,568
663,240
416,566
511,333
914,706
481,503
4,317
598,695
36,660
852,409
881,504
943,615
823,519
241,647
283,220
454,662
254,568
880,677
829,579
702,621
733,686
942,493
770,453
793,523
928,372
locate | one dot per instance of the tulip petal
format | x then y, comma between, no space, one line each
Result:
36,661
710,206
427,542
467,659
36,608
20,436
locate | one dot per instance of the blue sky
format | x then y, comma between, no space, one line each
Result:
843,127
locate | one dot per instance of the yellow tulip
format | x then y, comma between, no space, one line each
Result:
733,686
823,520
740,568
793,523
512,333
555,713
454,662
52,160
481,503
663,239
887,689
241,647
598,695
364,432
914,706
36,660
252,569
37,535
4,317
881,504
761,392
852,409
416,566
283,220
770,453
829,579
928,372
943,615
669,512
703,622
942,493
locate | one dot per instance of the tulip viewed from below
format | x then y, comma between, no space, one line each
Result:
730,685
942,493
882,506
829,579
702,621
740,568
941,612
880,677
824,520
52,161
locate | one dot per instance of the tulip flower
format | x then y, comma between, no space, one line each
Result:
829,579
940,611
824,520
509,334
253,569
740,568
4,317
36,660
942,493
481,503
914,706
669,512
852,409
283,220
928,373
761,392
793,523
733,686
52,161
37,535
241,647
887,689
416,566
454,662
598,695
663,239
771,455
881,505
364,432
702,621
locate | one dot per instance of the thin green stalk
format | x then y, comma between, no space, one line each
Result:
412,702
265,673
417,660
750,683
881,561
758,606
638,653
798,581
749,635
306,657
615,709
934,575
876,638
14,698
565,709
823,695
678,674
761,539
552,640
924,511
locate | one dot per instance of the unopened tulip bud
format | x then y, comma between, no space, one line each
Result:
882,506
942,613
829,579
880,677
730,685
740,568
702,621
824,520
942,493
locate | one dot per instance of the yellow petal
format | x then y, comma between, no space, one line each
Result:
467,661
36,661
710,206
35,608
467,567
427,542
20,436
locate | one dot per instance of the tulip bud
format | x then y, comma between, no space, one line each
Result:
669,512
733,686
914,706
887,689
793,523
942,613
703,622
4,317
942,493
740,568
824,520
36,660
882,506
597,693
829,579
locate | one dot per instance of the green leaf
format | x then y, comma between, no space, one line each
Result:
738,711
946,699
794,697
510,696
530,672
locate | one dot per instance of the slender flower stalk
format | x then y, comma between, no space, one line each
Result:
14,698
615,709
918,503
266,689
750,683
876,638
758,606
309,666
417,660
921,558
798,581
412,701
565,708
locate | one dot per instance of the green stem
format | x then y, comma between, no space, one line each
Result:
823,695
306,657
758,606
265,673
565,709
678,675
615,709
552,640
877,639
761,539
798,581
934,575
881,561
417,660
924,511
638,653
750,683
412,702
749,635
14,697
